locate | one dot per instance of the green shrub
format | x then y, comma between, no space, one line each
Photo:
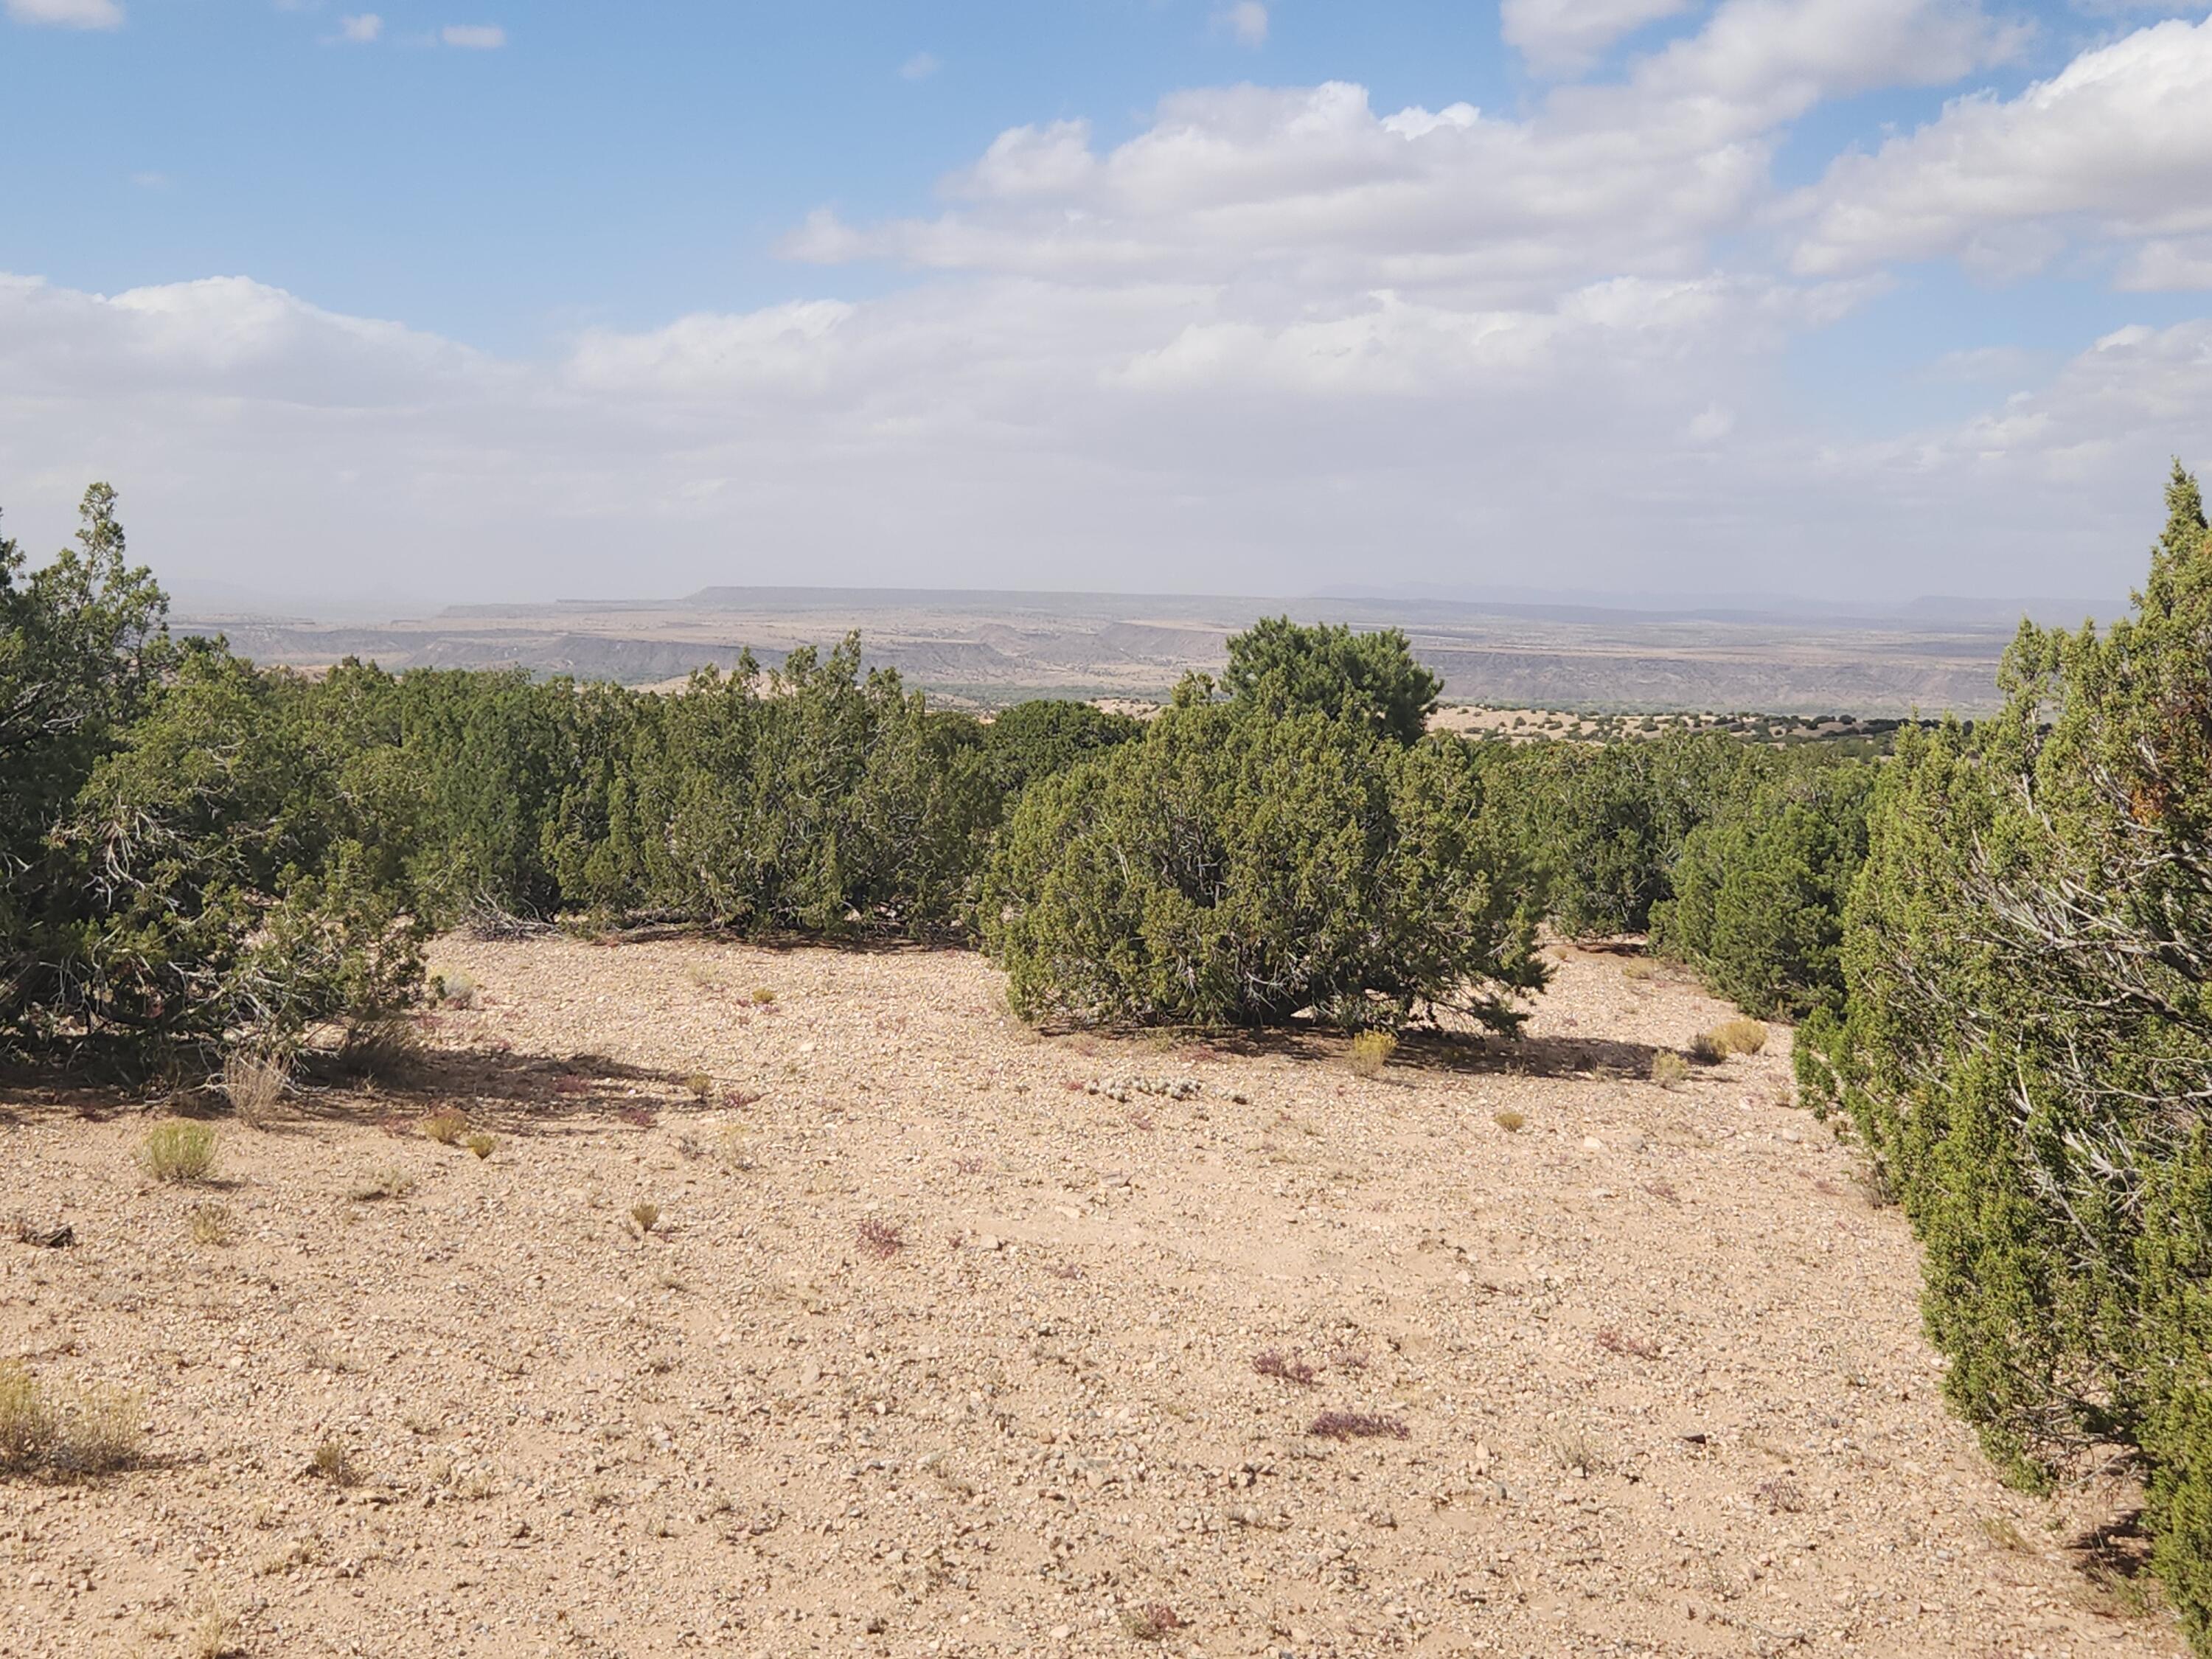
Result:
1760,886
1371,681
2026,1046
1237,868
1607,822
1035,739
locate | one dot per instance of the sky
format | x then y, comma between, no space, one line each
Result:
478,300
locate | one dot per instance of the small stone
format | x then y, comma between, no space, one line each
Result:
1592,1144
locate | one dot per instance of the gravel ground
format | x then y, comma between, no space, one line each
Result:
943,1341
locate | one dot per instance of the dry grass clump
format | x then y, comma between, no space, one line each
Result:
481,1144
880,1239
178,1150
383,1049
1637,969
1576,1452
1627,1344
208,1223
700,1087
1739,1037
452,988
445,1126
1357,1425
764,995
734,1147
385,1183
1370,1052
86,1429
1285,1367
334,1463
1152,1623
254,1084
1509,1121
1783,1496
646,1214
213,1634
1670,1070
1705,1049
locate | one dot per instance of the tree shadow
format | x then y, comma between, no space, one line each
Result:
2115,1558
516,1093
1420,1049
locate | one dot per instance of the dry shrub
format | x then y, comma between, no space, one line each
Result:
455,989
1705,1049
764,995
646,1213
1509,1121
445,1126
1636,970
209,1224
880,1239
384,1048
481,1144
1740,1037
1575,1451
1627,1344
213,1634
1357,1425
1670,1070
385,1183
1783,1496
254,1084
1370,1052
86,1429
700,1087
1152,1623
178,1150
1284,1367
334,1463
733,1148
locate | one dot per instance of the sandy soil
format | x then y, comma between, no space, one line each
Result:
932,1350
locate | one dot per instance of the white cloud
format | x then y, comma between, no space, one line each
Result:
1566,35
2115,149
1248,21
1274,332
474,37
919,66
68,14
362,29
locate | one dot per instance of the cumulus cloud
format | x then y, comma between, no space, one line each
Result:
1560,36
1275,334
1248,21
474,37
67,14
362,29
2115,149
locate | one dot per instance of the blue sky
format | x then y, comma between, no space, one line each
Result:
1819,296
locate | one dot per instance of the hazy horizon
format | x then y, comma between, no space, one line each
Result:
1800,302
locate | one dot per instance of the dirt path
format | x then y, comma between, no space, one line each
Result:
933,1351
